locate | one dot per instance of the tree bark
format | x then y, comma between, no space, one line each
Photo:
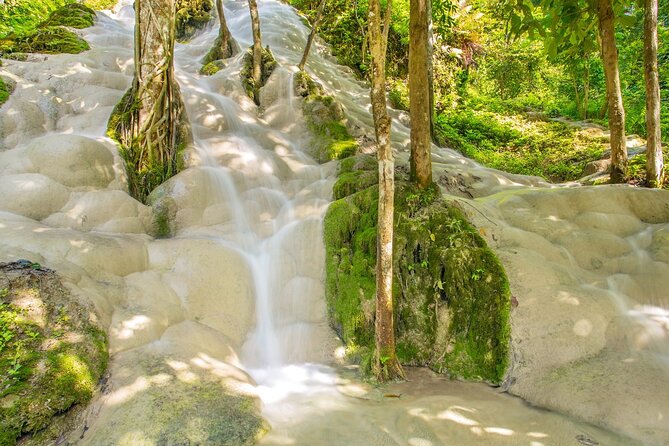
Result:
227,44
385,365
149,122
312,35
257,43
419,94
613,91
654,157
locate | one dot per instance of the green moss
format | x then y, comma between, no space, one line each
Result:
451,293
325,119
48,40
74,15
22,16
197,411
100,5
192,16
268,64
212,68
52,352
4,92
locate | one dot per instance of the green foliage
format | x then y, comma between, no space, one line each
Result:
74,15
451,294
552,150
51,354
192,15
399,95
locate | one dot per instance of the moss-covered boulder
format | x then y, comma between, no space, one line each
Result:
4,91
47,40
211,68
74,15
325,119
52,350
451,293
192,16
181,407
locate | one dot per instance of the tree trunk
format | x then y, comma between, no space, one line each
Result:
227,44
586,88
257,43
613,92
419,94
312,35
385,365
654,157
577,95
149,122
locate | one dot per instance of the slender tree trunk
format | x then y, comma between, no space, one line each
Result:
312,35
257,43
654,157
149,122
577,96
385,366
613,91
228,45
586,88
419,94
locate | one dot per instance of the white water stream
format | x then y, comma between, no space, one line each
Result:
240,287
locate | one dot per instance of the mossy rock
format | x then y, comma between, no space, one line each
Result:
4,91
48,40
74,15
52,350
100,5
268,65
305,86
331,139
21,57
212,68
201,410
451,293
192,16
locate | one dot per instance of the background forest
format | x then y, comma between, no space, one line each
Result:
501,81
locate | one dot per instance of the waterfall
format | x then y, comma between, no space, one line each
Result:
589,267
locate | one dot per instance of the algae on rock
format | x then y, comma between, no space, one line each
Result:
325,119
74,15
53,351
192,16
451,293
4,91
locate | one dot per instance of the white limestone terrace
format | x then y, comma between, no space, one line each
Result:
237,295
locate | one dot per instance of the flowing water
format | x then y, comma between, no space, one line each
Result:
239,289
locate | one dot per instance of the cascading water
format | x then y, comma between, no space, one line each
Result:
277,209
589,284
